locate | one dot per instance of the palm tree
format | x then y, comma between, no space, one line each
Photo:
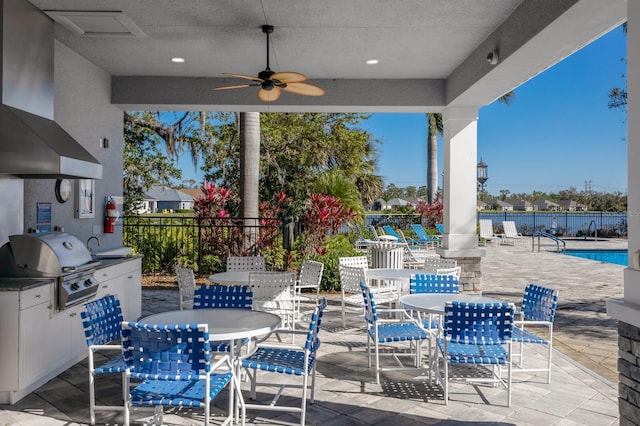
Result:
435,127
335,183
249,131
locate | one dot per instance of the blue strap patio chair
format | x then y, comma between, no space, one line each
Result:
225,297
292,360
423,236
404,331
538,310
172,363
475,334
440,228
433,283
101,323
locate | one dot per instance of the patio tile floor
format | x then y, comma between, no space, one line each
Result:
582,390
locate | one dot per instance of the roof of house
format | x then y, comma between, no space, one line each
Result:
501,203
193,192
545,203
518,203
397,202
571,203
164,193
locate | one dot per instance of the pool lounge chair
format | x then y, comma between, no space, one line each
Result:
423,236
511,235
486,232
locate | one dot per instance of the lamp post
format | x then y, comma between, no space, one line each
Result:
483,175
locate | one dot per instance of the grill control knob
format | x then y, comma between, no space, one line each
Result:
87,283
75,286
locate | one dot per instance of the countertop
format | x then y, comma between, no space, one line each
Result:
23,283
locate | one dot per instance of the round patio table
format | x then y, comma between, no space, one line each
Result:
433,303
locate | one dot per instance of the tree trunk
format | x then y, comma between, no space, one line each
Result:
432,159
249,176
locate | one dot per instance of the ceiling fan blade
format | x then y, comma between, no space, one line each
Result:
305,89
239,86
269,95
289,77
246,77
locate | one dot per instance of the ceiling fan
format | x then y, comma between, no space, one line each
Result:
272,83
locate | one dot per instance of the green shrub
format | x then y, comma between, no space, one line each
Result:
337,246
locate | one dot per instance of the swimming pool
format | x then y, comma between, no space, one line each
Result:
618,257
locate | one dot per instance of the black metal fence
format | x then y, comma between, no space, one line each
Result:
579,224
168,240
165,241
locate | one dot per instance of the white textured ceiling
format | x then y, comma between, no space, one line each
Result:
431,52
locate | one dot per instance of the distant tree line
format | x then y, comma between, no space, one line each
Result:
595,201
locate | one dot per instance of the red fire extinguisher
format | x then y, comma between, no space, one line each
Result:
111,217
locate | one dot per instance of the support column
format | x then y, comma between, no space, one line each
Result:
460,240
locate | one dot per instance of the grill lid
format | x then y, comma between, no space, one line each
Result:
49,254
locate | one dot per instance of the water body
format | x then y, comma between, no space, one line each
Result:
617,257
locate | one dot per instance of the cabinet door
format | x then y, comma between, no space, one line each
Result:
123,280
36,337
130,287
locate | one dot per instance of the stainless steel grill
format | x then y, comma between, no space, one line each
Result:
58,255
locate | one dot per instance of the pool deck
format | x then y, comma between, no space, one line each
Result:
583,390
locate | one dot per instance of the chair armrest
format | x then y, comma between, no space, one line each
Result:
225,359
527,322
105,347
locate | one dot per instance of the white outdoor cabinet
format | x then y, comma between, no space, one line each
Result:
37,343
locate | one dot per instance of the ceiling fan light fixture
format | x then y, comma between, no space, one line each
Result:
273,83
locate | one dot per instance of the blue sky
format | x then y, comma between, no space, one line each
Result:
557,133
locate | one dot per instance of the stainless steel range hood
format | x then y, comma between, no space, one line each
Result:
32,144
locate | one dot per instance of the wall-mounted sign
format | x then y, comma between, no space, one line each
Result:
43,217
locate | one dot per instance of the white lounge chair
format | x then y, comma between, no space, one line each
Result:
486,231
511,234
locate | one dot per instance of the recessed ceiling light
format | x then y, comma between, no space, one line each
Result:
177,60
372,61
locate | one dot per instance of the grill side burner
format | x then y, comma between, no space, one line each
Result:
54,254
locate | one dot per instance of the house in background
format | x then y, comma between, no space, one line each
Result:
162,198
546,205
522,205
394,203
481,205
195,193
500,205
572,206
413,201
380,204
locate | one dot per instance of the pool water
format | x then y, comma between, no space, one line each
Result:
618,257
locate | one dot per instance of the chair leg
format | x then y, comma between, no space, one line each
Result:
303,405
509,366
550,351
313,384
92,394
377,354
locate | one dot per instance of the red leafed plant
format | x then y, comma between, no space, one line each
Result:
324,214
431,213
269,222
